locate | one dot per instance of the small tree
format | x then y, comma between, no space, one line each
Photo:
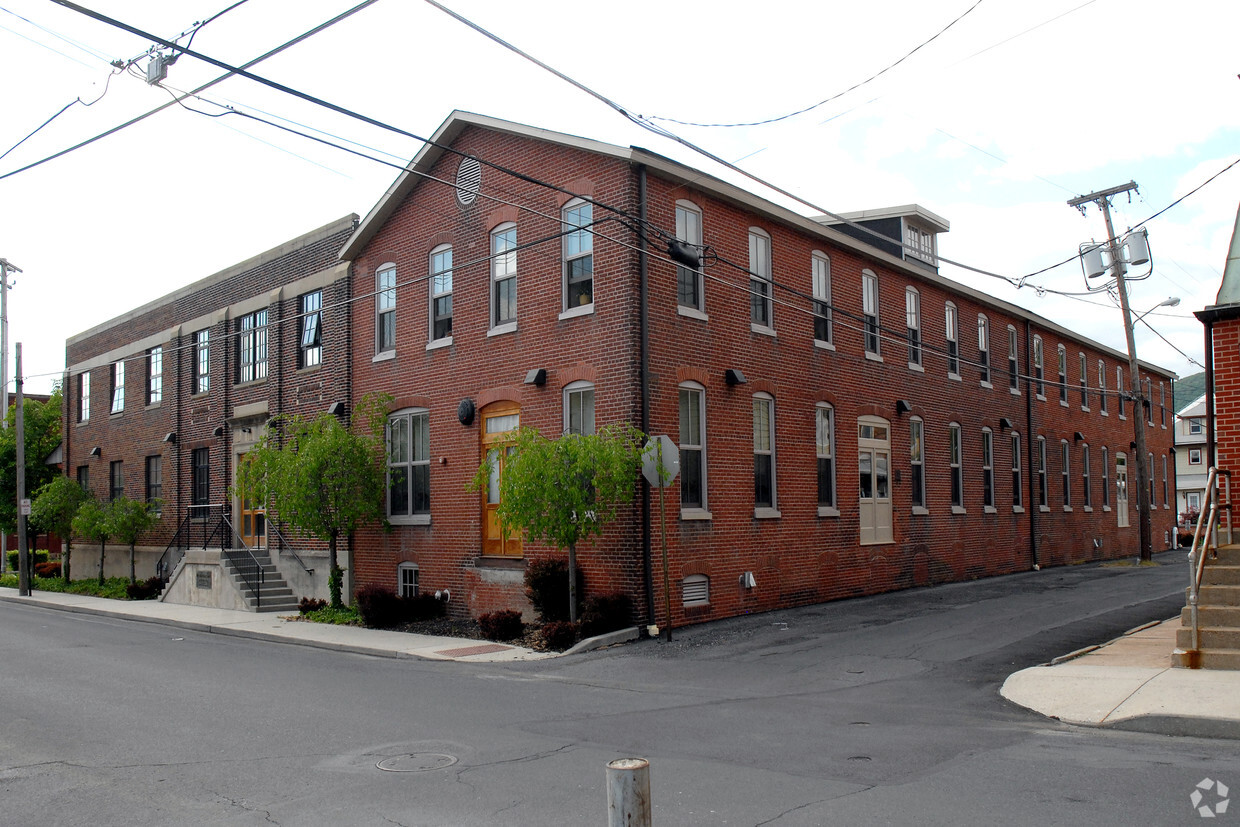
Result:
324,479
42,435
127,521
92,523
567,490
54,507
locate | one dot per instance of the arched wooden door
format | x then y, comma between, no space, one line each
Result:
499,420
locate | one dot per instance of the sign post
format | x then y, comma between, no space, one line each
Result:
660,465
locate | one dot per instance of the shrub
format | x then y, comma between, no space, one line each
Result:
379,607
145,589
15,563
422,607
47,569
504,624
559,635
310,604
605,613
546,585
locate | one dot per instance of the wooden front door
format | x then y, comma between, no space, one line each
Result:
498,421
251,516
874,475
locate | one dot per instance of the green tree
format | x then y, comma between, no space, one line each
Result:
564,491
323,479
54,507
41,422
127,521
92,523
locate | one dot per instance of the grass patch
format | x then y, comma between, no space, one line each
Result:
113,587
344,616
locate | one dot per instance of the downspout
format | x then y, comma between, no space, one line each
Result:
1029,443
644,379
1209,333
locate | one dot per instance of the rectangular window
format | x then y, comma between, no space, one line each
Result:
385,310
1063,375
1041,469
118,386
825,428
1064,477
1013,368
116,480
760,279
200,490
1166,491
822,298
869,309
957,471
408,465
692,449
1162,404
1038,376
912,312
1147,400
312,329
155,481
252,347
1102,386
579,409
1149,471
1089,494
1084,388
1106,488
578,255
1119,390
1196,425
917,463
763,452
988,469
1017,494
1194,456
154,375
83,400
953,341
407,580
504,275
441,293
689,280
83,477
983,348
202,361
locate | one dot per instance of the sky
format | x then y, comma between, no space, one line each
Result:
991,114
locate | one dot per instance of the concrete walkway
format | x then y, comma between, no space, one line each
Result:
1129,683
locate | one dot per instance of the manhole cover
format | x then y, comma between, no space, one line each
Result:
417,762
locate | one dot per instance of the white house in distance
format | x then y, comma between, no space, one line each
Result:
1190,457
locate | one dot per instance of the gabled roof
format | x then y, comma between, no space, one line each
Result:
1195,408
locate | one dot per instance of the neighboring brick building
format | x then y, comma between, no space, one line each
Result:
1222,350
849,421
161,402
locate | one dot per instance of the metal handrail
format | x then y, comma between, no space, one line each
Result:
1207,519
181,539
256,589
286,546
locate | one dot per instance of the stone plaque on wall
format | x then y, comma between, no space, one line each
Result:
202,579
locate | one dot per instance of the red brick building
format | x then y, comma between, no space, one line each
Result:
161,403
849,421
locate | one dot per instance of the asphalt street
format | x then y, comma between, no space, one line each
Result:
881,710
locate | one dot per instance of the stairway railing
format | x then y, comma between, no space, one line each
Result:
239,556
197,520
1205,538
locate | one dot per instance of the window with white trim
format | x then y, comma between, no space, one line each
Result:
957,471
1196,425
1194,456
1064,470
311,329
912,313
118,386
983,348
202,361
408,466
1149,472
1166,491
1063,374
689,286
1038,376
1119,390
1106,485
83,400
407,580
824,422
763,451
760,279
1089,494
1013,367
988,468
869,310
252,346
1102,387
1084,384
154,375
578,216
917,462
1018,495
952,327
504,275
385,309
1040,459
579,408
1147,401
692,446
441,293
1162,403
822,297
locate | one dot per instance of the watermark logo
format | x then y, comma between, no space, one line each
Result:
1210,798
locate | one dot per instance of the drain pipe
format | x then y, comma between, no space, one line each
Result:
1029,443
644,379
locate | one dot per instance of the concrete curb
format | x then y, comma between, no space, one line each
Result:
603,641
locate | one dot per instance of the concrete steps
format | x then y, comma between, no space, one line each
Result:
1218,616
274,594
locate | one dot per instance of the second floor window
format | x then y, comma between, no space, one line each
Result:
252,347
83,396
1084,383
983,348
759,278
1013,367
951,321
118,386
312,329
688,280
912,312
869,309
578,254
1038,375
441,293
1102,386
154,375
822,297
504,275
1063,375
202,361
385,310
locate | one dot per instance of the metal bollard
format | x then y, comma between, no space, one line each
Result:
628,793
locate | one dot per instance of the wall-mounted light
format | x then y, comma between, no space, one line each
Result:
336,409
733,376
171,437
902,407
218,432
536,376
1078,437
1005,424
94,452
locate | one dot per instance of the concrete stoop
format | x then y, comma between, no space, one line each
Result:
274,594
1218,617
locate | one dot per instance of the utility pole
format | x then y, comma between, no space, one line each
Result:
1103,199
23,563
5,267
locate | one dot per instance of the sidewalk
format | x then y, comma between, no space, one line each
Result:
274,628
1129,683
